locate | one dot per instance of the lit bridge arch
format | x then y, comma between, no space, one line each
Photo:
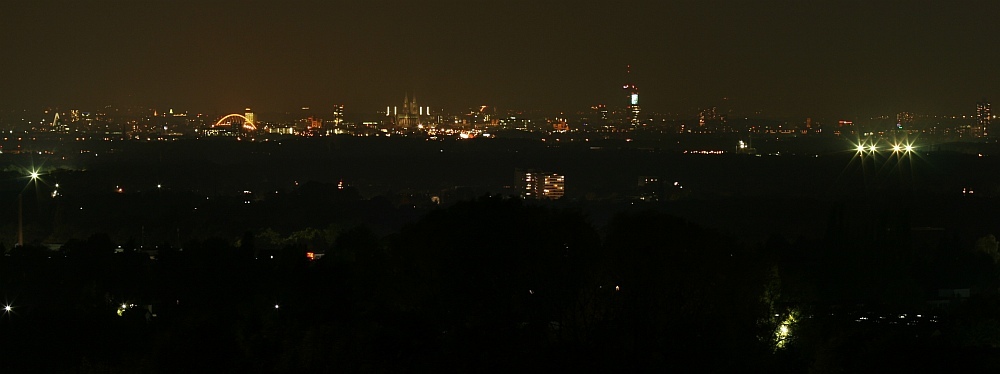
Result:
247,124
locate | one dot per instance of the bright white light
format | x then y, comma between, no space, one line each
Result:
34,174
896,148
872,148
276,306
908,148
861,148
7,308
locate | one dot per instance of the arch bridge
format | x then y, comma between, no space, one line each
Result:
229,119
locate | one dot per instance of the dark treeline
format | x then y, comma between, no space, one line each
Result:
496,284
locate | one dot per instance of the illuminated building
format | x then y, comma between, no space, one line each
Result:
338,114
536,184
313,123
410,115
283,130
983,118
601,111
744,147
250,119
711,118
530,187
554,186
632,109
649,188
515,123
560,125
904,120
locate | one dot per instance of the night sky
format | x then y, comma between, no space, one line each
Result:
793,59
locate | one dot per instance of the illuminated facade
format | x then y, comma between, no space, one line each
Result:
554,186
632,109
560,125
983,118
250,119
338,114
410,114
541,185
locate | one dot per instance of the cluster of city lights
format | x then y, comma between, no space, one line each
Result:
873,147
122,308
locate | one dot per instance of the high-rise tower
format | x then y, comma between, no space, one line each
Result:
338,114
983,118
632,109
250,117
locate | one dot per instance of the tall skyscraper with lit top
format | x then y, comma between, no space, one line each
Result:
632,109
983,117
250,117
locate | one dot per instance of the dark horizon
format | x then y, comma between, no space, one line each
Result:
827,59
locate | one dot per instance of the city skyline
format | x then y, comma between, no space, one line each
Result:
777,58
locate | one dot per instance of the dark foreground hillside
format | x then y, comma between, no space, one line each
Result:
496,284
